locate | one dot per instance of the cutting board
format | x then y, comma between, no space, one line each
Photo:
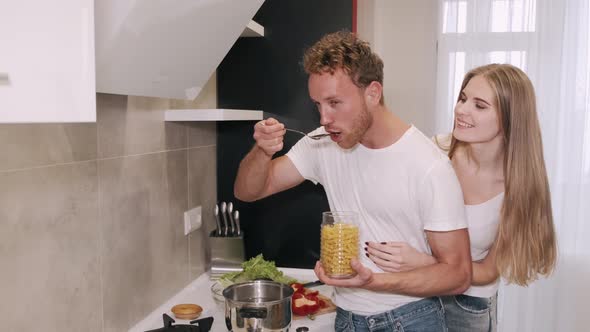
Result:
330,307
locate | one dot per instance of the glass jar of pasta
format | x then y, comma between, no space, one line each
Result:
339,243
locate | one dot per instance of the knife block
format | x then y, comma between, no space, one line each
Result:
227,254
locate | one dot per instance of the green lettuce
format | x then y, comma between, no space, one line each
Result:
256,268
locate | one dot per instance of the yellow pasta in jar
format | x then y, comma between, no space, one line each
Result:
339,244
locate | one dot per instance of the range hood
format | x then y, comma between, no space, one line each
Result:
163,48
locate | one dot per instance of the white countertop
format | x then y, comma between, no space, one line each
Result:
199,292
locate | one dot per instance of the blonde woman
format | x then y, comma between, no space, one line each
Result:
497,153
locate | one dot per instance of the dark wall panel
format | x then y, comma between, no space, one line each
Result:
266,73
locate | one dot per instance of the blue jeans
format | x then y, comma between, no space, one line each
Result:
466,313
425,315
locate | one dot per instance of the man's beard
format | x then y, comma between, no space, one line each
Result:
362,122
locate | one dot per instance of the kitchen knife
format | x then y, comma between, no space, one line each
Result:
217,221
224,216
230,210
313,284
237,221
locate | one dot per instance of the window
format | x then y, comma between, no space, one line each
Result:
513,16
472,35
550,41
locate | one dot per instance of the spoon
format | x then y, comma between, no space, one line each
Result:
316,136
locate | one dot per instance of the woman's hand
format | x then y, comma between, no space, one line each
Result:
396,256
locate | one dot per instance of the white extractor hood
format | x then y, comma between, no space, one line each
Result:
165,48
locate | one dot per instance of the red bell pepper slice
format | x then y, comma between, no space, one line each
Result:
303,304
298,288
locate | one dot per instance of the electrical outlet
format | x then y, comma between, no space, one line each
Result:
192,220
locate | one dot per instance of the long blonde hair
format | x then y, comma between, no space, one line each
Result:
525,243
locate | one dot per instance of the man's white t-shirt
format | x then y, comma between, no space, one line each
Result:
399,191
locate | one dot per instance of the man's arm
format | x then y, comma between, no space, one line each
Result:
259,175
450,275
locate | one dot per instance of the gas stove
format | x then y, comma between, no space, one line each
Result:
199,325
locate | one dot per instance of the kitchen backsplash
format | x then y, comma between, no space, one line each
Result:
91,215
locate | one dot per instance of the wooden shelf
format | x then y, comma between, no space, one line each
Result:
253,29
217,114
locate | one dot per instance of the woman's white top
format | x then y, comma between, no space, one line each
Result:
482,220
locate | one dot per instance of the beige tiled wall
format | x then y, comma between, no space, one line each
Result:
91,215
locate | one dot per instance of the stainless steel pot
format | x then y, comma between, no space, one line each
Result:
258,306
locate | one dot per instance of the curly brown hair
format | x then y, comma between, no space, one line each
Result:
344,50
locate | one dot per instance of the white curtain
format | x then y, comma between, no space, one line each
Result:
549,40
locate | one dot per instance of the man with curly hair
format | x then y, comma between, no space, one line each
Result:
397,180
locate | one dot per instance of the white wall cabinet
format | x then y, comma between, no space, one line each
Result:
47,67
158,48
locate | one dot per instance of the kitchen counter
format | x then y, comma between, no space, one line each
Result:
199,292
